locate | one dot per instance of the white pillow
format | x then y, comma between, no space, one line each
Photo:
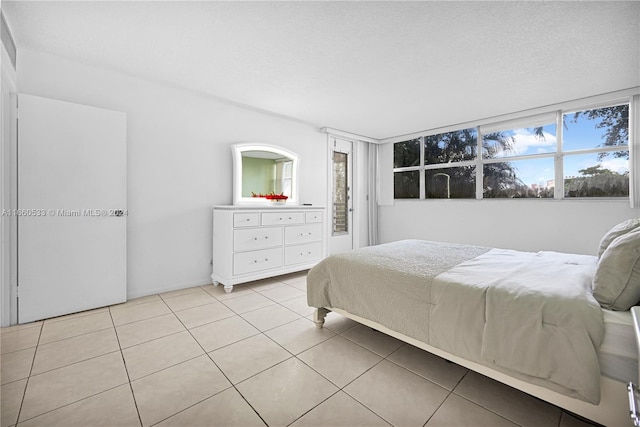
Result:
617,231
616,283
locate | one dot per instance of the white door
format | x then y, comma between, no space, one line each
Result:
71,208
342,201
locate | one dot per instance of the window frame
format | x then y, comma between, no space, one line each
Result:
559,155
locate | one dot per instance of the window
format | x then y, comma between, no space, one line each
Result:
523,158
406,185
442,164
340,193
532,178
519,162
450,183
287,177
596,148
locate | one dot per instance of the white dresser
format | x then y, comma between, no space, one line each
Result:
251,243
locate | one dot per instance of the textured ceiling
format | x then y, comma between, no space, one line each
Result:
378,69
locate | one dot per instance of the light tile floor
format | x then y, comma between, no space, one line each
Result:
201,357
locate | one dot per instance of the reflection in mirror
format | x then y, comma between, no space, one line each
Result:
264,170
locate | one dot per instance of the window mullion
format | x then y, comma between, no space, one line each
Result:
516,158
407,169
597,150
558,192
479,168
423,185
450,165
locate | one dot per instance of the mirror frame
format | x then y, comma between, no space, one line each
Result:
238,149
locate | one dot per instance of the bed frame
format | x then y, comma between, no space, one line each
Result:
613,409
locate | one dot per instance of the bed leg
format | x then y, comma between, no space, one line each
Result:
319,315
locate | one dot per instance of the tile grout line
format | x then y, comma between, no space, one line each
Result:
57,322
386,358
31,374
488,409
446,398
318,404
504,417
354,379
70,403
33,361
340,389
219,369
71,364
144,318
124,362
67,404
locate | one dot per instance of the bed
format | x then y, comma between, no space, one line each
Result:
542,322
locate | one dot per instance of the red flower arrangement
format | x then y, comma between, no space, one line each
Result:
271,196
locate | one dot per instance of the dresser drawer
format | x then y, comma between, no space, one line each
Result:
248,219
249,262
311,217
302,253
247,239
282,218
302,234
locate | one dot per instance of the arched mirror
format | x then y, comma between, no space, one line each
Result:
264,174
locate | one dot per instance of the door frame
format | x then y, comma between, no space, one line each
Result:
355,191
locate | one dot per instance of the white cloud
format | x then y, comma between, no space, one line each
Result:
526,142
616,164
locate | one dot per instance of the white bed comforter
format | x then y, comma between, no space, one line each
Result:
531,315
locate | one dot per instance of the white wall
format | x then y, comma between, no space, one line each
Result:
574,226
179,162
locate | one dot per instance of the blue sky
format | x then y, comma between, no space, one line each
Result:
579,135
